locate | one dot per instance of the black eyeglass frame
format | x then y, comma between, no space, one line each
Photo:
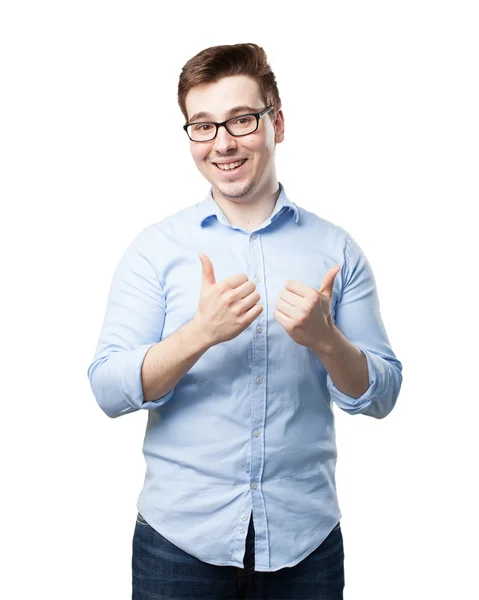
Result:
223,124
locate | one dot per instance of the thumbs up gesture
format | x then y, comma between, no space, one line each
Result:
305,313
226,308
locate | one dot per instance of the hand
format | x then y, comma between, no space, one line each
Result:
305,313
227,308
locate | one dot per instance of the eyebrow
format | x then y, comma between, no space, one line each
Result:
232,111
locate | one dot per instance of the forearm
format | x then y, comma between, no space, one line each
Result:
345,363
168,361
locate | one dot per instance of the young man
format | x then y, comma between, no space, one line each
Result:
236,323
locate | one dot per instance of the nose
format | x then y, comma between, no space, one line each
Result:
224,141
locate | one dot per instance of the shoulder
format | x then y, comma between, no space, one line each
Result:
329,232
167,225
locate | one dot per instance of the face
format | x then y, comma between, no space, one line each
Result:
217,102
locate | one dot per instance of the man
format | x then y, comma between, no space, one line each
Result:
236,323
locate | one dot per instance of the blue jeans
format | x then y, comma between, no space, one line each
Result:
162,571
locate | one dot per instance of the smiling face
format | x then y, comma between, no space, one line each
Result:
255,175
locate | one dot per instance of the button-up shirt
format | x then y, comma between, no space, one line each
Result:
249,430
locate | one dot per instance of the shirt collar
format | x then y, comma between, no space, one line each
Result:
209,207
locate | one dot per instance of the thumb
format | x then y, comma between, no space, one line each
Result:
208,272
328,281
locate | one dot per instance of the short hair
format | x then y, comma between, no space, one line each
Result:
214,63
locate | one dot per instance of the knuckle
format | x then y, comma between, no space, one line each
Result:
229,298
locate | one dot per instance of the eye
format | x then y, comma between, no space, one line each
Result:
203,127
245,120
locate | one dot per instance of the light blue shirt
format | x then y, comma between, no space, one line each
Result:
250,428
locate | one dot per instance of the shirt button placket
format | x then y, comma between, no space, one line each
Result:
259,371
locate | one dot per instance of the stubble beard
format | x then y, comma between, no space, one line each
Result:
242,191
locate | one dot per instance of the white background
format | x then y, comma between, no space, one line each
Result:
381,107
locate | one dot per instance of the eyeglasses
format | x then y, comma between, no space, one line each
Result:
237,126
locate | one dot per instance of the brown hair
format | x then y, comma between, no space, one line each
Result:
212,64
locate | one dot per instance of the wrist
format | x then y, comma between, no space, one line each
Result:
330,343
199,335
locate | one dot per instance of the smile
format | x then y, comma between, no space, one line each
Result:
231,166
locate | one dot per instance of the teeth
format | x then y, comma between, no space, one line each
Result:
231,165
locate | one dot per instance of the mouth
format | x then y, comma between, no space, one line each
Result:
232,167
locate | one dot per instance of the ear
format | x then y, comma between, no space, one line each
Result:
279,127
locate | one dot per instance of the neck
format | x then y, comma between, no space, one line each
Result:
250,210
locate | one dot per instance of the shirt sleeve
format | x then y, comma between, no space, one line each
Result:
358,317
133,322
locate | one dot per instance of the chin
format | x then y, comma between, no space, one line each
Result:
235,190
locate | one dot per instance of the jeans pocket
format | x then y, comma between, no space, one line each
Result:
337,526
140,520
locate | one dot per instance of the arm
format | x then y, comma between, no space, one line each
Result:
168,361
133,325
364,375
345,363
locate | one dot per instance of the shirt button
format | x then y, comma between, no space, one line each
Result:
253,236
256,433
243,517
253,485
259,329
241,530
258,380
257,279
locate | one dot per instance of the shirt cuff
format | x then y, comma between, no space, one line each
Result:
358,405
